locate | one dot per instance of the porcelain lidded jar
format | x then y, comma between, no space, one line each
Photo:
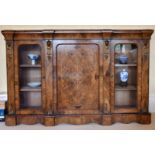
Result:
124,77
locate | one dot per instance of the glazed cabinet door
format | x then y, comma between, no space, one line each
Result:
79,75
126,76
29,77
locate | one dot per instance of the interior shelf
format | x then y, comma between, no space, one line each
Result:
125,65
27,88
30,66
32,108
129,87
125,106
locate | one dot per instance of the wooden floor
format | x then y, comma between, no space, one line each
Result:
92,126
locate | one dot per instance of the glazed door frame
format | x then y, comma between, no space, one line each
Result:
139,78
18,109
99,44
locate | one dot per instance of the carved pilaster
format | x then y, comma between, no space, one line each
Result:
10,68
49,80
145,76
106,76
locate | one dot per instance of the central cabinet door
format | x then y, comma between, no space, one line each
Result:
78,82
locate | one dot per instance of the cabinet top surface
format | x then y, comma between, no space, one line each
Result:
78,34
82,31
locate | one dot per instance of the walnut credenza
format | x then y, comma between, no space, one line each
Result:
77,76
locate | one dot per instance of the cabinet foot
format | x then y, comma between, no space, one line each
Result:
106,120
129,118
145,118
48,121
10,120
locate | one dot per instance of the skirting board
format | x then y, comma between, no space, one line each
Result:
152,103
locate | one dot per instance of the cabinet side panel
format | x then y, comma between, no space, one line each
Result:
145,77
10,76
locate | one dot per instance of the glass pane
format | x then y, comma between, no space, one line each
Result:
29,53
30,76
132,75
30,99
126,75
126,54
125,98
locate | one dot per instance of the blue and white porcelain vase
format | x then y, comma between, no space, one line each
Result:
33,58
124,77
